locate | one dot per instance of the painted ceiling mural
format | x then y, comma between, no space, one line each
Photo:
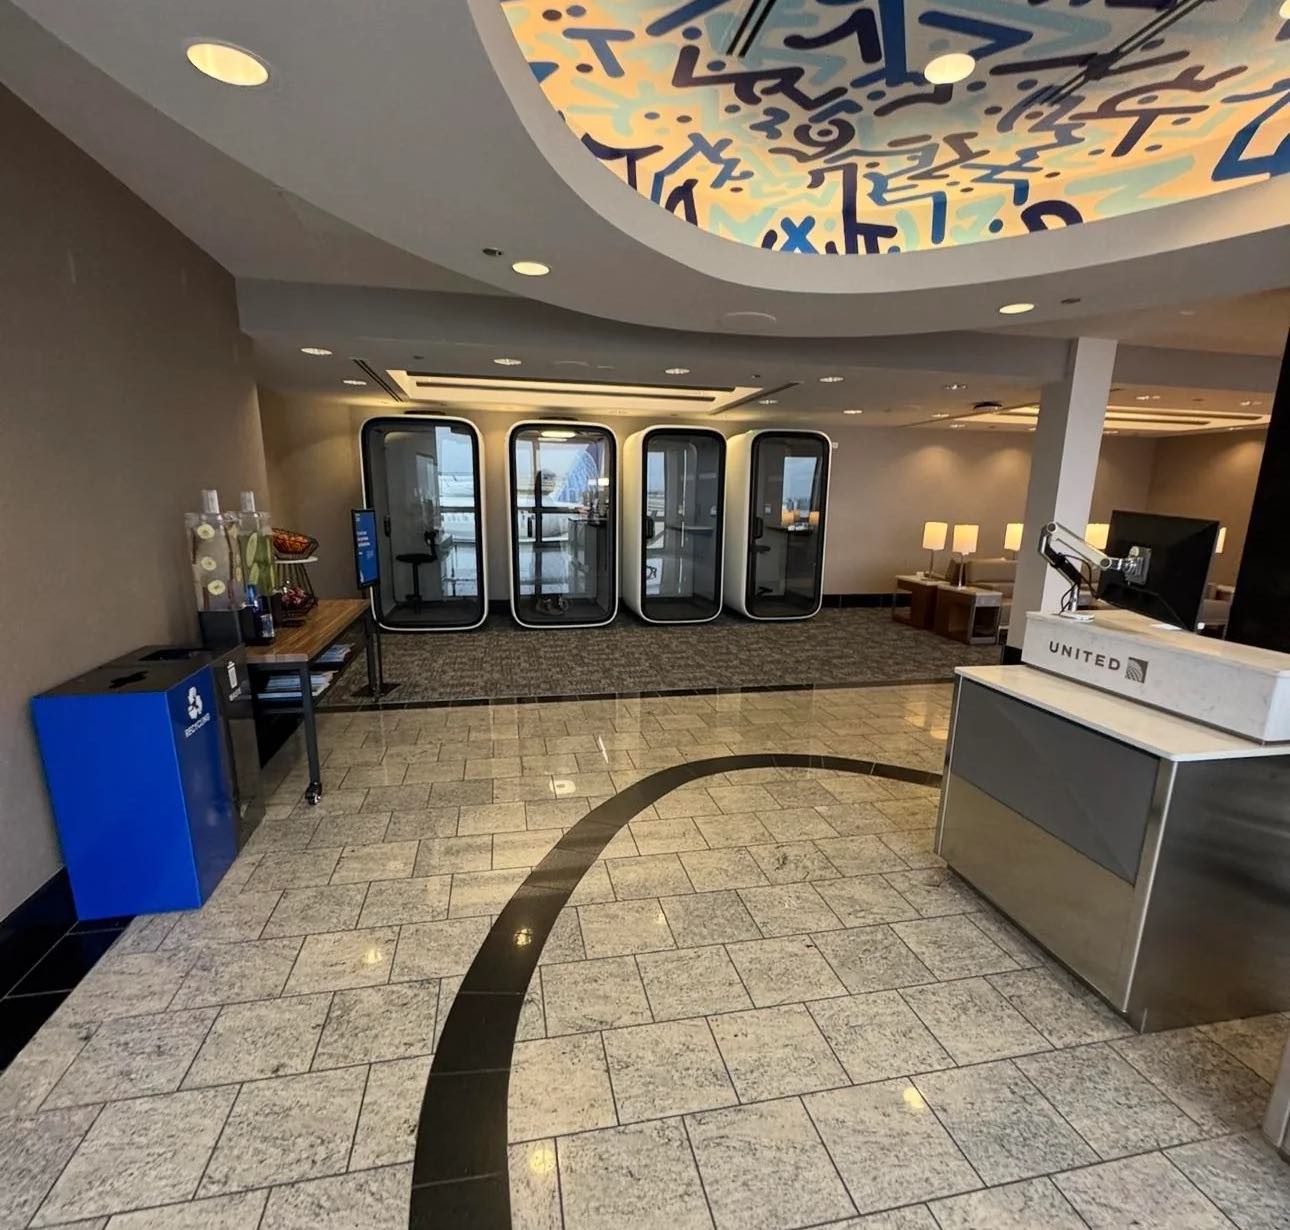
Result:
808,126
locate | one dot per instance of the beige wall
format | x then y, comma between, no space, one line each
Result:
885,484
311,449
1211,476
128,387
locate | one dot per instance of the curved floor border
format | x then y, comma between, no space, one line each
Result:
459,1176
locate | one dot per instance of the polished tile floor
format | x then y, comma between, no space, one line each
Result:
766,1006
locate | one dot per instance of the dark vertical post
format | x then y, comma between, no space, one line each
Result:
1261,609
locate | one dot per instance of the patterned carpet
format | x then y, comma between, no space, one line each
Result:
502,660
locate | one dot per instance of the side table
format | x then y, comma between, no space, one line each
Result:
969,614
921,611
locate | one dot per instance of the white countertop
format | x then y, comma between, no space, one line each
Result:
1161,734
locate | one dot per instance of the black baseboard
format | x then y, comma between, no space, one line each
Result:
869,600
44,953
502,606
34,927
1011,655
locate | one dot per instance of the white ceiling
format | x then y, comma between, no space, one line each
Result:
396,140
904,382
1253,325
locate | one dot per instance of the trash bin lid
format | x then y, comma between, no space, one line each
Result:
129,678
162,653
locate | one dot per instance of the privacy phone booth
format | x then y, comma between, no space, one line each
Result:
776,496
422,478
563,479
673,515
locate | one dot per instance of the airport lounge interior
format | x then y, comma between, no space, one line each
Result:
645,615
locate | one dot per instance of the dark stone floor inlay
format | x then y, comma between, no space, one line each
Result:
459,1175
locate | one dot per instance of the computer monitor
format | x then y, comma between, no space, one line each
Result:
367,567
1182,550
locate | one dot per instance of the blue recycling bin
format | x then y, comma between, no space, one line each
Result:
138,774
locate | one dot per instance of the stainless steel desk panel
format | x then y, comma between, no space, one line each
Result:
1089,791
1172,902
1276,1125
1076,909
1216,942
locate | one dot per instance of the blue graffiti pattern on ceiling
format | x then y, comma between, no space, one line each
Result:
823,136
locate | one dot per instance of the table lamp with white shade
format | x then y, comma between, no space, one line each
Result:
934,533
1012,537
965,539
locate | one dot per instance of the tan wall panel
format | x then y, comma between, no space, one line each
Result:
128,388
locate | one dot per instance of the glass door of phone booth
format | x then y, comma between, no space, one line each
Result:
564,524
777,497
421,476
674,492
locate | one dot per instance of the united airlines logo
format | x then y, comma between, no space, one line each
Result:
1090,657
1135,669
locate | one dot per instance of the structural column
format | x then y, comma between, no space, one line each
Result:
1063,468
1260,608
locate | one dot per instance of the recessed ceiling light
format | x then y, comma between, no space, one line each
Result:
1284,11
852,411
768,401
557,433
228,64
531,269
953,388
949,68
956,426
1016,309
832,379
356,383
319,351
940,416
1186,311
508,362
677,371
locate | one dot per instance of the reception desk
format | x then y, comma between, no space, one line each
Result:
1150,854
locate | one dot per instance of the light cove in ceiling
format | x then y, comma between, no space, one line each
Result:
818,133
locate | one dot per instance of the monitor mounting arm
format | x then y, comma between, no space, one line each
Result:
1062,547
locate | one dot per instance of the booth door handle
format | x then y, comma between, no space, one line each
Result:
386,522
759,527
649,528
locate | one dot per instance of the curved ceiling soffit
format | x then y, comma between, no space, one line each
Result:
821,135
472,67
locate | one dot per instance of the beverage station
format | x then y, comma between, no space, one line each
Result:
153,759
